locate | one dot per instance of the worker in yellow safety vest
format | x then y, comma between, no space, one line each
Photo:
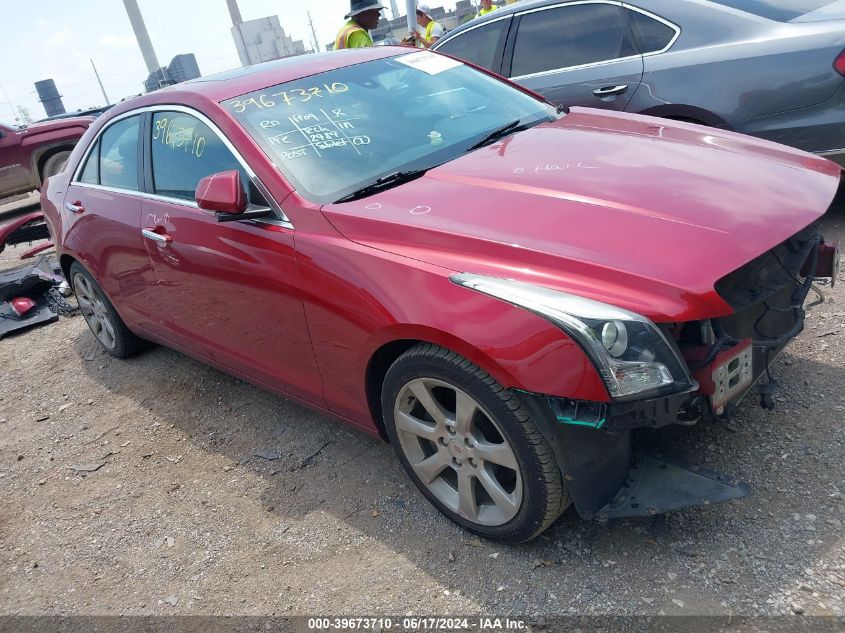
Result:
363,16
486,7
431,30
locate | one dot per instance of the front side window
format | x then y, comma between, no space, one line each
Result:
332,133
480,46
91,173
570,36
184,151
119,154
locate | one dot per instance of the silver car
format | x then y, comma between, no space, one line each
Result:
770,68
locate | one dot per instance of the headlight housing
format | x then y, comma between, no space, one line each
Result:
631,354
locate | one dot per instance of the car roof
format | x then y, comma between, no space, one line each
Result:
238,81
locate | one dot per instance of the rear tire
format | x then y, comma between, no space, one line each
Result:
103,320
53,165
470,446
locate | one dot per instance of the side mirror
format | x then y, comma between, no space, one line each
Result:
222,193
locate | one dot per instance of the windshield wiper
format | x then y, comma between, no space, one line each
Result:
380,184
496,134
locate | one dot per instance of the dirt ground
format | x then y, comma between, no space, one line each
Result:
178,514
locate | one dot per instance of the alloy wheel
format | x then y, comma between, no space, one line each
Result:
458,451
94,311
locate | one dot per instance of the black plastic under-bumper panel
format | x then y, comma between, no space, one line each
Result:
655,486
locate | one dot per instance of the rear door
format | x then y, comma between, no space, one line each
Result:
576,54
227,291
102,211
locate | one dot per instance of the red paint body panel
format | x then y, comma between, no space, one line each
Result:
635,211
32,252
358,299
222,192
10,227
230,292
630,210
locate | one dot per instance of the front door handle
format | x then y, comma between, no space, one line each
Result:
162,238
610,91
75,207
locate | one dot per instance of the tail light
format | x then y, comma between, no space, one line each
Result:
839,64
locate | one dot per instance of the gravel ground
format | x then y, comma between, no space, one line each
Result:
160,486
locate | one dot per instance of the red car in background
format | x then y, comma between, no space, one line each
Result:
30,155
504,290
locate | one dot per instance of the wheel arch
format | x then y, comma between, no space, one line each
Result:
66,261
688,113
389,350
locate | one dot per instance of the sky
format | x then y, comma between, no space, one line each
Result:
57,39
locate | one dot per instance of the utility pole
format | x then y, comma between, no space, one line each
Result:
313,32
411,8
97,75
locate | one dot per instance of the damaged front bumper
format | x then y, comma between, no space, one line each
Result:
605,478
725,356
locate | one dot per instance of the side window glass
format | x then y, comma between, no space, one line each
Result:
184,151
91,173
570,36
119,154
651,35
478,46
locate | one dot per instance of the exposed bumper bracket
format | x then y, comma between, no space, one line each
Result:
655,486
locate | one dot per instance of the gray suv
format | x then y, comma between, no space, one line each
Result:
770,68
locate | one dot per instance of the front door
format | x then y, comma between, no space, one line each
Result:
228,291
577,55
14,175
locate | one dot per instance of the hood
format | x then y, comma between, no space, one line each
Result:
58,124
640,212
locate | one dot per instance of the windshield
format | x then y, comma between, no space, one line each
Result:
779,10
333,133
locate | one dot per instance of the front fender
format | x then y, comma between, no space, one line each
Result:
358,299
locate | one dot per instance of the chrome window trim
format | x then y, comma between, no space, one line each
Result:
282,220
617,3
448,37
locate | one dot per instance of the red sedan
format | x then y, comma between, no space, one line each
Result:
504,290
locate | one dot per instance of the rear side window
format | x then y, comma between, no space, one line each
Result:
570,36
480,46
119,154
650,34
91,173
184,151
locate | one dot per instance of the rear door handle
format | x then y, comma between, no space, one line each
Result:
161,238
75,207
610,91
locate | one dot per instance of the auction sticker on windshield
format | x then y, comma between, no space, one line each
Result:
428,62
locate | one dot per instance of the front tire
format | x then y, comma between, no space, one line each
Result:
103,320
470,446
